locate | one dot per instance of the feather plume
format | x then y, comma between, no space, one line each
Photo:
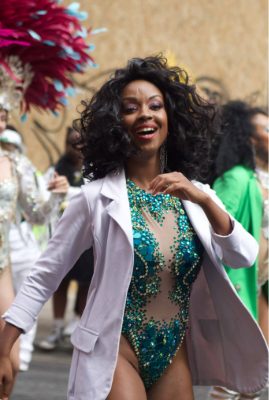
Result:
48,41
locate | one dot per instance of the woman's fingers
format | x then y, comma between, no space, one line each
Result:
7,389
155,184
176,184
6,379
161,183
172,188
58,185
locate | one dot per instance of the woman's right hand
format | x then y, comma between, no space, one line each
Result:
8,336
6,377
58,184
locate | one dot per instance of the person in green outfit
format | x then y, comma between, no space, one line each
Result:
241,182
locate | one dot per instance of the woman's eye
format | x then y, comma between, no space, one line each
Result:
129,109
156,106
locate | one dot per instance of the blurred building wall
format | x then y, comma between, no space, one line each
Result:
221,43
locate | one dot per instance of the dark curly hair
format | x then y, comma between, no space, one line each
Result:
107,145
234,146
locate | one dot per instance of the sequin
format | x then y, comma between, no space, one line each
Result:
156,340
8,197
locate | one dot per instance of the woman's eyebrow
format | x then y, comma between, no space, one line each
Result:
135,98
129,98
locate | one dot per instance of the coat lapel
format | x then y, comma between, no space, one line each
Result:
114,188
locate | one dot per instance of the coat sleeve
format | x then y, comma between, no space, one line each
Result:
73,235
239,248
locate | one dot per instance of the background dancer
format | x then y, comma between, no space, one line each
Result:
242,182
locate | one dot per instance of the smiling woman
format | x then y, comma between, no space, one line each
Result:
147,86
144,117
159,304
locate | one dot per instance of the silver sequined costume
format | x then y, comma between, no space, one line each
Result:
20,194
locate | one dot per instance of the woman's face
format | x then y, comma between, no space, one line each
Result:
261,136
3,120
144,116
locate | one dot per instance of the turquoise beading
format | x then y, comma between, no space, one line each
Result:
156,342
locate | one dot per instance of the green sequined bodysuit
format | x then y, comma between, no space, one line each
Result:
167,259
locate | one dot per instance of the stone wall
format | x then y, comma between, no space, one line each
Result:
223,41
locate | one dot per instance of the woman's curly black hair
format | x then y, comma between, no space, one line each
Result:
107,145
235,147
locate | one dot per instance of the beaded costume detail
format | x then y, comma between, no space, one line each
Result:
20,194
167,259
8,196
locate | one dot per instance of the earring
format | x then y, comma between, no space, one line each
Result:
163,158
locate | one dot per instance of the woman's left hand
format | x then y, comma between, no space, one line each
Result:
58,184
176,184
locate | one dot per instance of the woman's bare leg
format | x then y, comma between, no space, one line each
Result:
175,383
127,384
6,298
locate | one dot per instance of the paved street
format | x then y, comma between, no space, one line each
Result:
48,374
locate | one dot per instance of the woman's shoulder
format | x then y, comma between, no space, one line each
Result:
20,160
15,158
236,180
239,171
92,189
237,175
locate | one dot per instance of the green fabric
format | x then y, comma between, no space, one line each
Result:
239,191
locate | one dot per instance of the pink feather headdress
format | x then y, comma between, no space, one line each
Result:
41,43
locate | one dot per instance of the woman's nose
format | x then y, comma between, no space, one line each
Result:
145,113
145,117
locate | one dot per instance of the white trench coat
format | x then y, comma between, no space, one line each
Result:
224,344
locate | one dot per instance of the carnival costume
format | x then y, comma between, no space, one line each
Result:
41,44
167,260
19,193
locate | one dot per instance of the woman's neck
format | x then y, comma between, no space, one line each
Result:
142,171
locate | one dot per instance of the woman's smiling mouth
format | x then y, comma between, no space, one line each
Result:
146,131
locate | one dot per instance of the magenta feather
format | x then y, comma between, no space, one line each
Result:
45,35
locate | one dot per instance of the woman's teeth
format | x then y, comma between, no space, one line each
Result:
146,131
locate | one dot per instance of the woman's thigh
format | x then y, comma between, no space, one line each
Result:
175,383
127,384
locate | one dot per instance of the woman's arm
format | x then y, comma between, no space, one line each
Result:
31,199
